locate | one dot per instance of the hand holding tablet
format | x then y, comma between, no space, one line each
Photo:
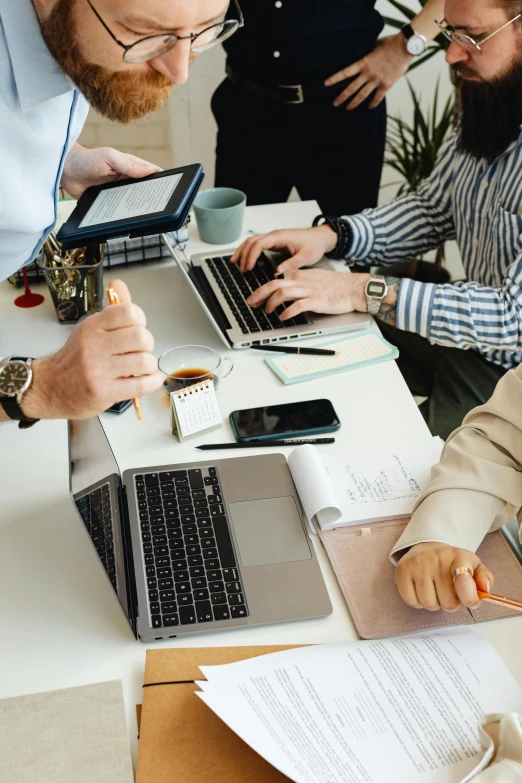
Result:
133,208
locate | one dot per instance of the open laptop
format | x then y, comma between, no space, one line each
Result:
196,547
222,290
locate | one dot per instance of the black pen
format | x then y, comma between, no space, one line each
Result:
255,444
295,349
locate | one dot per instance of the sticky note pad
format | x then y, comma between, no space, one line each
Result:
356,351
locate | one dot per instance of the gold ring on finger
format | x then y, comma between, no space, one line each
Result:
462,570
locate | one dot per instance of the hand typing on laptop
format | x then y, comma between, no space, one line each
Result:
107,358
306,246
313,290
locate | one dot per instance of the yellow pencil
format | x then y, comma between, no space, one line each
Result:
114,299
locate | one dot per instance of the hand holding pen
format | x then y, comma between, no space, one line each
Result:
133,363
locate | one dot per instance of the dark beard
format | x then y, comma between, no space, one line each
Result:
491,114
122,96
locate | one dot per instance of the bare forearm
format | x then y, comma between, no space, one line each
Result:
424,22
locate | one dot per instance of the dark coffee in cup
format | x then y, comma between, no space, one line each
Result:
187,377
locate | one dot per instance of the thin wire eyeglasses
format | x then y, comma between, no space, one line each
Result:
466,41
155,45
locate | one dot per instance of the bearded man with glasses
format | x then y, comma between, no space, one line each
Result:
57,57
455,341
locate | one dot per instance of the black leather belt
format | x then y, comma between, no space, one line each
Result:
282,93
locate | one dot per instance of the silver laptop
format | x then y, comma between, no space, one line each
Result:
222,290
196,547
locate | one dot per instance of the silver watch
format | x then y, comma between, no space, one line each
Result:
376,289
416,43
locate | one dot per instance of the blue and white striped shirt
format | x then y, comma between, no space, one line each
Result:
479,205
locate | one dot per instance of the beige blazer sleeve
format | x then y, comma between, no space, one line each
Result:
477,485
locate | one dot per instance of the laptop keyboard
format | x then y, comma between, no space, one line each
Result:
190,564
237,287
95,510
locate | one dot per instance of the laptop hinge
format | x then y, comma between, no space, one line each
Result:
197,276
129,562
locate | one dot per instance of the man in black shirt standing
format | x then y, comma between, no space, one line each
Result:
303,102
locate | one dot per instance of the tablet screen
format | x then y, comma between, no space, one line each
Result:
133,200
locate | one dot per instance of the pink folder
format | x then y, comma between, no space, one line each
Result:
359,556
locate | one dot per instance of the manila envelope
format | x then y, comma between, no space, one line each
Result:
181,739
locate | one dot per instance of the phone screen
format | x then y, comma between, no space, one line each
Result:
284,419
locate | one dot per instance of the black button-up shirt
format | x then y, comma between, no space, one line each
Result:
300,41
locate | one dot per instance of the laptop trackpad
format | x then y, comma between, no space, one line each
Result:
269,531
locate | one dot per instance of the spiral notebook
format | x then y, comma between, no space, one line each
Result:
352,353
195,410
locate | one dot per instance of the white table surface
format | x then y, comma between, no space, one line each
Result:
60,622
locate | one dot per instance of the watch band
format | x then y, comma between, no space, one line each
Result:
407,31
11,406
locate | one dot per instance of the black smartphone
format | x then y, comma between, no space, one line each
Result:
307,418
119,407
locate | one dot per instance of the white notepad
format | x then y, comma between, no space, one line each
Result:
195,410
362,485
352,353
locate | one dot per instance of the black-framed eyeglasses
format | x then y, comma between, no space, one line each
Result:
155,45
466,41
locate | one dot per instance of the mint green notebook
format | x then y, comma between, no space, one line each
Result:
356,351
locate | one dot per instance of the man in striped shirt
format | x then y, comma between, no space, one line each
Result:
456,340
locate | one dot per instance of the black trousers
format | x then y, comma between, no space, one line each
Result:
455,381
265,148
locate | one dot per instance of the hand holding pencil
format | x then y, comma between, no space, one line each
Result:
132,345
433,575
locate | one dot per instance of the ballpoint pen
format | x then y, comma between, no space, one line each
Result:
256,444
295,349
114,299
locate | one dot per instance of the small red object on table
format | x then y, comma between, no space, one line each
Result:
28,299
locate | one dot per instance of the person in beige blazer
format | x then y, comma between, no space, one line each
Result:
476,488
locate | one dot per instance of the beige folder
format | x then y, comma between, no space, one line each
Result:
181,739
360,559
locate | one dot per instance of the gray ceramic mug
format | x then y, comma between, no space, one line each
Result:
219,215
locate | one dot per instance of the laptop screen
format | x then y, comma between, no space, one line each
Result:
96,491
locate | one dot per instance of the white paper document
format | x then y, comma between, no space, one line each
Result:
133,200
404,709
362,485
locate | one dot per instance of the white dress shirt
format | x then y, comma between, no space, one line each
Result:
41,116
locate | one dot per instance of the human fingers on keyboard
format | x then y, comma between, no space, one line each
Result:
249,252
266,291
285,297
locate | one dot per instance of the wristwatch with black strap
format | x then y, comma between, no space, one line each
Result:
415,42
16,376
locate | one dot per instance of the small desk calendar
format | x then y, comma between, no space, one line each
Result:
195,410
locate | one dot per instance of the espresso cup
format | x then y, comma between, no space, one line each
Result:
191,364
219,215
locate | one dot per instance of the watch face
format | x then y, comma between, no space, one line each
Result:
13,377
416,45
375,288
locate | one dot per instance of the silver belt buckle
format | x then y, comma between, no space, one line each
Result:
298,87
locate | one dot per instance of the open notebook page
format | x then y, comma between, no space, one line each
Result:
402,710
362,485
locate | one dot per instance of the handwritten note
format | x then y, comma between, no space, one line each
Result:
362,485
